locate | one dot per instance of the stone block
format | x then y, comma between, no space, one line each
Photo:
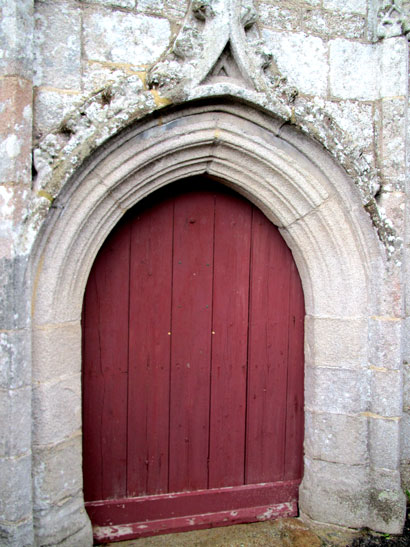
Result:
15,415
405,436
406,384
393,66
64,524
278,17
355,119
384,342
15,488
57,473
14,302
336,342
392,150
386,392
15,38
57,45
56,351
15,130
17,534
50,108
335,493
348,60
332,25
384,443
52,422
120,37
301,58
385,479
350,6
334,390
387,510
336,438
15,359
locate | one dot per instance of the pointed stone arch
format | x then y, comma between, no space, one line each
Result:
341,262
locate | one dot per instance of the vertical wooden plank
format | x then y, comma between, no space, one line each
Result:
229,342
268,353
105,369
295,399
191,335
149,350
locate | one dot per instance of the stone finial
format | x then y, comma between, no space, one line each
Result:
248,16
393,18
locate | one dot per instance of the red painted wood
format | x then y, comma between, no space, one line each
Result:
229,341
191,341
105,355
106,534
149,350
268,353
187,504
170,407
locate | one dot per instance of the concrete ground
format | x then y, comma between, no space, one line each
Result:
275,533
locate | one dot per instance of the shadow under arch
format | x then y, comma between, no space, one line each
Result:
299,187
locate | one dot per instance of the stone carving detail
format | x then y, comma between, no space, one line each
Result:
393,18
219,43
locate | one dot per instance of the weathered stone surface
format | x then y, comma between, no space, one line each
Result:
386,390
353,6
18,534
15,358
124,37
64,524
15,38
384,336
57,41
405,436
393,145
14,302
15,499
55,349
50,109
151,7
384,442
335,493
330,389
15,129
347,60
328,24
406,385
56,473
393,66
355,119
15,413
336,438
301,58
278,17
113,3
52,421
336,342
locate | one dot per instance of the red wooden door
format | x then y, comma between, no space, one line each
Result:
192,368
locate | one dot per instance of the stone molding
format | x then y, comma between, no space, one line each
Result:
299,187
219,51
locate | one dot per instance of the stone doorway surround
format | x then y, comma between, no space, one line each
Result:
351,475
